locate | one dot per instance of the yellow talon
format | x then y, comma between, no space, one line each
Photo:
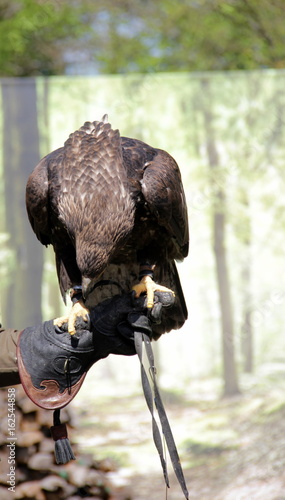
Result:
78,310
149,286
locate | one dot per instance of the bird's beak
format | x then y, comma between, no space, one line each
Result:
85,284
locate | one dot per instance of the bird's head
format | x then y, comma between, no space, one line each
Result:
92,262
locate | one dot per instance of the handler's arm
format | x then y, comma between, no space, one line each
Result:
8,359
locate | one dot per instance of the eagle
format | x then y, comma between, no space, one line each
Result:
114,210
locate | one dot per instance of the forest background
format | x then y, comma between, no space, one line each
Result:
204,81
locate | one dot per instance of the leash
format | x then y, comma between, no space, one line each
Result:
152,395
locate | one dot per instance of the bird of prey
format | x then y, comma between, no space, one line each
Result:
113,208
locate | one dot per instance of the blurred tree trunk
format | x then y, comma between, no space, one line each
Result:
228,348
219,222
246,326
53,297
21,153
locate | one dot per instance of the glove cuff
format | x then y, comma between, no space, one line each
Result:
51,369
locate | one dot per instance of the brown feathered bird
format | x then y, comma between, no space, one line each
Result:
114,209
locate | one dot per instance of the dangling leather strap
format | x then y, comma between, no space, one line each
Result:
140,339
138,336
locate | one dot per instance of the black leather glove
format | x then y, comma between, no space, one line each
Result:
53,364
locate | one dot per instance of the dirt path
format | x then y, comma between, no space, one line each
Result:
230,449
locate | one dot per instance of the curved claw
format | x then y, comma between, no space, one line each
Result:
78,309
60,321
149,286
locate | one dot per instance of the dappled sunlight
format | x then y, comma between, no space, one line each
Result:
230,448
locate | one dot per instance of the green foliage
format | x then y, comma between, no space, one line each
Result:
163,35
34,35
51,36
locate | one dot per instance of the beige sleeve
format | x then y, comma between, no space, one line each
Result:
8,358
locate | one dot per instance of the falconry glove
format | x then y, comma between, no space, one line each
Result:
53,364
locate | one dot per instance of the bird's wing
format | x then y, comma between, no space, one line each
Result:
37,201
163,191
42,218
156,183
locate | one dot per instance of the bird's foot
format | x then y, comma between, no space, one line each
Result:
78,310
149,286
